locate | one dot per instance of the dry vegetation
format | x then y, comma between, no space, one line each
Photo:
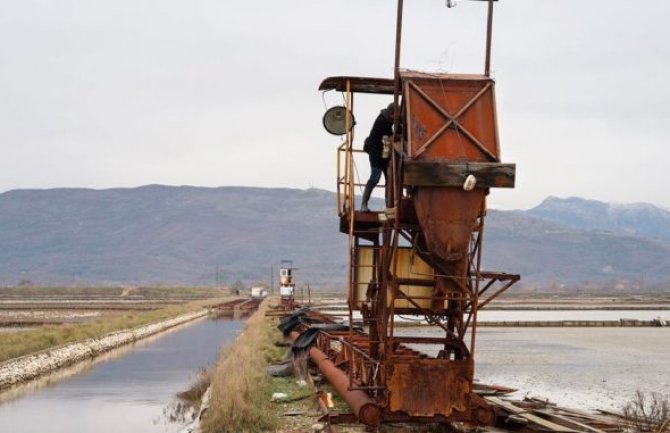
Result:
648,412
184,408
241,389
13,345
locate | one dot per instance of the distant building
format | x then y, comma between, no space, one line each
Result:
258,292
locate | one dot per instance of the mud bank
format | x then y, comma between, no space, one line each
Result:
31,366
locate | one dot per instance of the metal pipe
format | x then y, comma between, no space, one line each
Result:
478,277
365,409
489,31
396,69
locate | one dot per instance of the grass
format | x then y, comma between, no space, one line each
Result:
178,292
241,388
15,344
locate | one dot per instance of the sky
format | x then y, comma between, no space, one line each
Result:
103,94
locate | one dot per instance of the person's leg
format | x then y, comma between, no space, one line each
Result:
375,175
388,201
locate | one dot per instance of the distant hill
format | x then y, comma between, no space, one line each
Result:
544,252
180,235
159,234
636,219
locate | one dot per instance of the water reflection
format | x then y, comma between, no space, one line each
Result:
124,390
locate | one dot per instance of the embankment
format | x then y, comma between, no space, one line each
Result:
239,397
28,367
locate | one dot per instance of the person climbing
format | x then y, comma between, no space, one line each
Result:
374,147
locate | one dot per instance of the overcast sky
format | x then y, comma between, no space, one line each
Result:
121,93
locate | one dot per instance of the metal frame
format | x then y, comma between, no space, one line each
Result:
369,359
380,363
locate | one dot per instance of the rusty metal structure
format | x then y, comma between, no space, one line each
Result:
421,256
286,284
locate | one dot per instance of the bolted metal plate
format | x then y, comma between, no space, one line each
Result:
451,117
428,387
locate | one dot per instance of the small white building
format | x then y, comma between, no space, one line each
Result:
258,292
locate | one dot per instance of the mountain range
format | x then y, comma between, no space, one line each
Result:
200,236
640,219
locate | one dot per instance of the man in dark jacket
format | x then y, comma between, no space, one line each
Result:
374,147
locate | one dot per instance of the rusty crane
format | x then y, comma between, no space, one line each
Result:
420,256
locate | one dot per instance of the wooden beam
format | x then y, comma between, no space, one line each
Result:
524,413
433,173
569,422
415,282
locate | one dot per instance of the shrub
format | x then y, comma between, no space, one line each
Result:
648,412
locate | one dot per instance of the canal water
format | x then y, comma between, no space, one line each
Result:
127,390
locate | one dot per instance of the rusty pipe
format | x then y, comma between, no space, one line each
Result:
365,409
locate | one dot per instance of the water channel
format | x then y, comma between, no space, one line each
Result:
126,390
